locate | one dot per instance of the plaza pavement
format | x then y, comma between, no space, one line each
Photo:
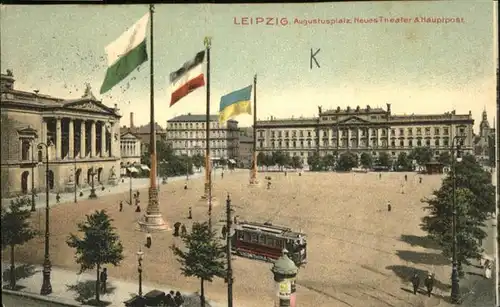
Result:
358,253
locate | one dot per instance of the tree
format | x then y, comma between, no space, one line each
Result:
403,162
347,161
439,222
16,230
444,158
384,159
328,161
100,244
366,160
471,175
491,151
198,160
279,158
315,162
296,162
268,160
261,159
204,257
422,155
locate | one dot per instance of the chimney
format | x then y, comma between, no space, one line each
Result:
388,108
131,120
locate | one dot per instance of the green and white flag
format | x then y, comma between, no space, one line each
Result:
126,53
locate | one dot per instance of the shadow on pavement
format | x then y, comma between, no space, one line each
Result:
85,292
423,241
422,258
21,272
405,273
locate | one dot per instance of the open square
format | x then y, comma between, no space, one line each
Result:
359,254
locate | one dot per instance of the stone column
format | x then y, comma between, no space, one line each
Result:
348,137
92,140
83,140
44,131
377,136
103,139
71,150
58,138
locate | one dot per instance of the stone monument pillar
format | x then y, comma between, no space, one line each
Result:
285,273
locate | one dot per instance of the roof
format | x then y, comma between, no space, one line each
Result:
349,110
195,118
145,129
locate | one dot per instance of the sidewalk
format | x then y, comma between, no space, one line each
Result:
137,183
60,278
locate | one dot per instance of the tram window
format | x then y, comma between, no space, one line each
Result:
246,237
270,241
254,238
241,236
262,239
279,243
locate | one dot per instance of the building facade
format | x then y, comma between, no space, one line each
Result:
187,135
363,130
130,148
245,152
83,137
144,134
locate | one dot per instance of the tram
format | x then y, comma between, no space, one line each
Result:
265,241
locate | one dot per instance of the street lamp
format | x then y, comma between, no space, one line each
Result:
456,144
187,162
130,187
164,176
74,174
140,255
46,286
92,190
33,206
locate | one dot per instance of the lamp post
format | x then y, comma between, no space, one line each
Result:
140,255
164,176
92,190
455,281
46,285
130,186
33,206
74,174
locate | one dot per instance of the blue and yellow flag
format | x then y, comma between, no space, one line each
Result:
235,103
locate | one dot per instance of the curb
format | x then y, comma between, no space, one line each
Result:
40,298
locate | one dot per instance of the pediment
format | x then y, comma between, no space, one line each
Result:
27,131
128,135
88,105
353,120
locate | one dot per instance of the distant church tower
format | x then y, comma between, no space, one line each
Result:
484,126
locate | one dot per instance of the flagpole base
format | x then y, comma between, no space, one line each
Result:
152,223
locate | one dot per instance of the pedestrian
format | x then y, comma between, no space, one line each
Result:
81,193
222,175
177,225
103,188
235,219
183,230
58,197
224,232
185,186
138,208
406,177
269,185
103,278
487,269
402,188
285,173
429,284
419,179
137,194
190,214
148,240
415,281
121,206
170,300
137,201
379,175
389,207
179,300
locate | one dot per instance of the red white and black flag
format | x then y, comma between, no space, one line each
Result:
187,78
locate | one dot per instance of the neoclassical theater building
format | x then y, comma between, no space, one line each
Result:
363,130
83,137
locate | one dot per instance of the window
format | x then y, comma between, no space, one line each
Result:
410,131
445,142
325,134
393,132
309,133
286,134
401,131
427,131
428,142
25,150
419,131
419,142
262,239
393,144
410,143
446,131
436,143
270,241
301,133
279,243
393,153
401,143
436,131
241,236
462,131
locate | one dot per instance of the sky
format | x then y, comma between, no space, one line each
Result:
420,68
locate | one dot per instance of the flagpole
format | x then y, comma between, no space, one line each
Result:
253,177
153,220
208,165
